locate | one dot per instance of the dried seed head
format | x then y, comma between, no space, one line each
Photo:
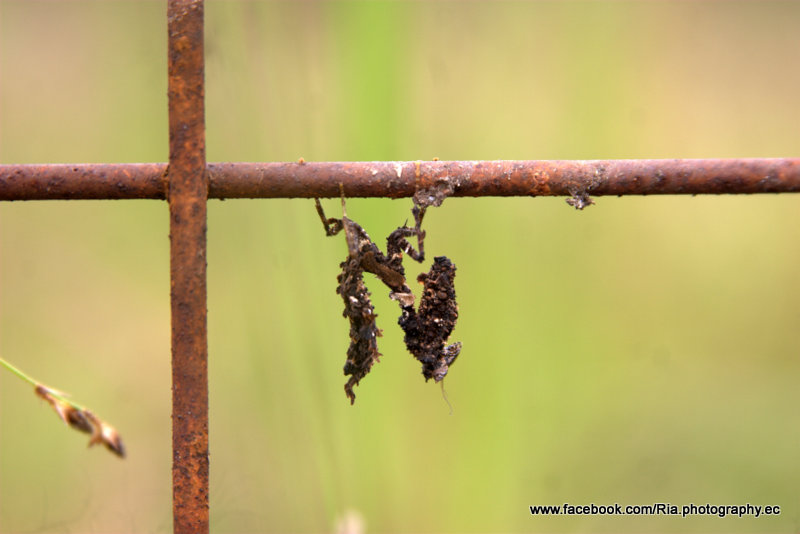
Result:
77,420
106,434
83,420
65,411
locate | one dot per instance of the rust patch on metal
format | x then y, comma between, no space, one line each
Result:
442,187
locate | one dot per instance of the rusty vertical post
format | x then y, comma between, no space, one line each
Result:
188,193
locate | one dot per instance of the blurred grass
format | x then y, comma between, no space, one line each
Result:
644,350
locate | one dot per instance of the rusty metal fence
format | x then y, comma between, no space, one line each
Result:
188,181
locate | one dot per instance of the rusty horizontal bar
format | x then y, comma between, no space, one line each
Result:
402,179
188,193
85,181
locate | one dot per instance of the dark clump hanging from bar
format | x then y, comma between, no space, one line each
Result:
426,328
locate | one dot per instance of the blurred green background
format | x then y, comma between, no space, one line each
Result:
644,350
